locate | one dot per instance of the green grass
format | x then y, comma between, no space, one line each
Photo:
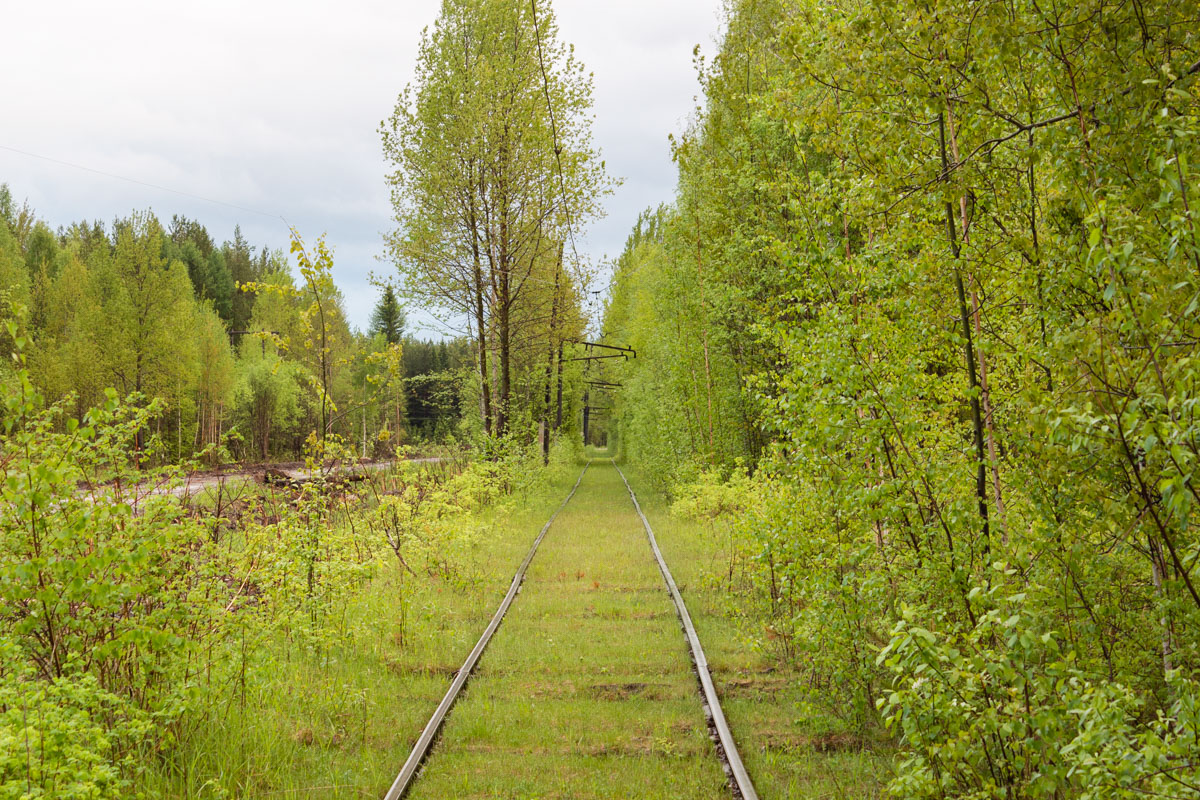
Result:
340,724
792,747
587,690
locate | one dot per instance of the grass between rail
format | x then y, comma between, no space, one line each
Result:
587,689
790,747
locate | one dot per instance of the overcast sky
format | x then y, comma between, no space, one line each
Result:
275,107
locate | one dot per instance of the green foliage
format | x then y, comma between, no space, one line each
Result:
128,625
65,360
210,277
951,325
430,518
140,325
1004,711
682,364
434,376
41,251
215,375
14,285
266,398
63,738
146,310
102,608
244,268
7,205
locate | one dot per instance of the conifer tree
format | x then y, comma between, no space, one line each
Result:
243,269
388,318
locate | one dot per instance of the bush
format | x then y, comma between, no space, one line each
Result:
106,594
1004,711
67,738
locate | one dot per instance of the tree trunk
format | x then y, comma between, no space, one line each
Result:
504,322
558,419
504,335
981,482
708,387
138,440
550,358
984,393
485,399
989,425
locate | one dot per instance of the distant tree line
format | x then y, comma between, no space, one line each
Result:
215,332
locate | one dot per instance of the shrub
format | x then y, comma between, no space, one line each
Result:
1005,711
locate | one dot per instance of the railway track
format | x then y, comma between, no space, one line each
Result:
731,759
420,751
725,747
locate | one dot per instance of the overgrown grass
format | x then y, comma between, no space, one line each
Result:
338,721
586,691
792,746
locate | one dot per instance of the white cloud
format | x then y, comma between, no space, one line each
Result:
275,106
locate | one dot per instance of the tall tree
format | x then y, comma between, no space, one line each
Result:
67,356
40,251
14,279
8,207
493,169
214,376
207,271
315,331
143,324
269,390
14,276
244,268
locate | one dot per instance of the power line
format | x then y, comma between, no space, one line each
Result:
143,183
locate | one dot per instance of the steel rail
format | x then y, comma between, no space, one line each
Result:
428,736
739,779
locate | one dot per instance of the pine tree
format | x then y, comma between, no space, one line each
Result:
388,318
243,268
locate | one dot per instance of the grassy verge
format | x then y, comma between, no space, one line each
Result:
338,721
586,691
791,746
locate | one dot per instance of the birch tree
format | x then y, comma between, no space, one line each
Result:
493,169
